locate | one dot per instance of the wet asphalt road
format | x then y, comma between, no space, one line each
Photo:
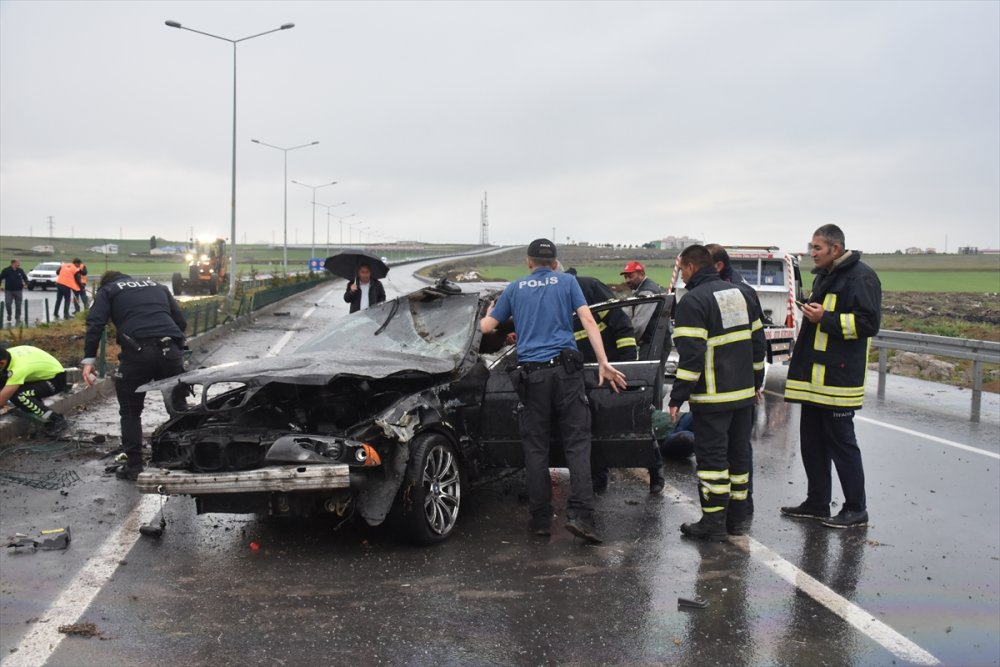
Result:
928,567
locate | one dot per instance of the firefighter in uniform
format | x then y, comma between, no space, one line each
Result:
620,344
150,330
720,258
67,284
827,376
719,373
550,383
27,375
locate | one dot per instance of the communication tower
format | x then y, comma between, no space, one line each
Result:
484,222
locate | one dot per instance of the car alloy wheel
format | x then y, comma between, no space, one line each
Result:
442,484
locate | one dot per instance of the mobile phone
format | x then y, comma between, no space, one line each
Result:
799,304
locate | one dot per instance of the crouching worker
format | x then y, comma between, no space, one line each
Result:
27,375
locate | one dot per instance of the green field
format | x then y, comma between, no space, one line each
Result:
940,281
252,258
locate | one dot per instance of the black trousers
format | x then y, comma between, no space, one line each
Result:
155,361
828,436
28,398
722,450
63,297
555,396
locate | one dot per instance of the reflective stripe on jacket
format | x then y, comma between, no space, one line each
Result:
714,339
830,359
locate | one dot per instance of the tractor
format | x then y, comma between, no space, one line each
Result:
207,268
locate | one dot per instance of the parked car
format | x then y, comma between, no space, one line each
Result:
388,413
44,275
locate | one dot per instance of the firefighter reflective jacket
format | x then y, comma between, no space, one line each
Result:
830,360
617,333
721,361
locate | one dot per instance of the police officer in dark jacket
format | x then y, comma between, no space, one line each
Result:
150,330
827,376
717,375
551,387
720,258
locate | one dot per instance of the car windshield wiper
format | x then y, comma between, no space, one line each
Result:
392,313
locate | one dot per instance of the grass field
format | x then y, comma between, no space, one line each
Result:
254,257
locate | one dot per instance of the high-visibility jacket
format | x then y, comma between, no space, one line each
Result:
830,359
69,276
617,333
721,364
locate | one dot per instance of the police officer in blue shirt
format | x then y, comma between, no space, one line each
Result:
551,389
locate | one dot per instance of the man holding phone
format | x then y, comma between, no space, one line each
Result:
827,376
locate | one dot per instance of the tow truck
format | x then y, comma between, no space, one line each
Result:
207,267
776,277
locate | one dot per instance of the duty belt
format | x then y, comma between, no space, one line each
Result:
530,366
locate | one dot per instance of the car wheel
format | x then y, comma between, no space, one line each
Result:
431,494
213,285
31,286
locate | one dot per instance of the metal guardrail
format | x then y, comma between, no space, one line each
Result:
979,352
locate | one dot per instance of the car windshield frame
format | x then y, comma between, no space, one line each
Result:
422,323
45,266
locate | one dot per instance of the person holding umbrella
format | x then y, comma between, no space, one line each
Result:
365,290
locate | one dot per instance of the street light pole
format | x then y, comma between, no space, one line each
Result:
342,228
232,225
328,207
284,255
314,188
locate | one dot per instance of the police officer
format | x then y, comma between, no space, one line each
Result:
552,390
716,375
723,265
150,330
27,375
827,376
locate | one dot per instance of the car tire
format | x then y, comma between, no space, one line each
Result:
31,286
431,494
213,285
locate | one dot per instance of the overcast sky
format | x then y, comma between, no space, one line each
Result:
735,122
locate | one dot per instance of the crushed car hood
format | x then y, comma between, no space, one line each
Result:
312,369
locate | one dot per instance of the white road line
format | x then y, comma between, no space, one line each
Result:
871,627
918,434
287,336
38,645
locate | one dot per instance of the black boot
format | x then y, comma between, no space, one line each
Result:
737,517
656,480
711,527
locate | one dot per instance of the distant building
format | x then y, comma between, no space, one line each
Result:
106,249
44,249
914,251
968,250
168,250
676,242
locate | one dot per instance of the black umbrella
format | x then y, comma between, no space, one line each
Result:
346,265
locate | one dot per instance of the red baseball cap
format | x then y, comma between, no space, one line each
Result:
633,266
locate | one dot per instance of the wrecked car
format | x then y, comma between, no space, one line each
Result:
389,413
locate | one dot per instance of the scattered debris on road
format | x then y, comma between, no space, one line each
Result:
51,539
80,630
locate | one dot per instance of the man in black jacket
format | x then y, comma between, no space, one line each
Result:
150,330
827,376
717,374
14,279
720,258
365,291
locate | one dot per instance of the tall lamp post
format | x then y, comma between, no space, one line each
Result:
284,255
314,188
328,207
232,226
341,219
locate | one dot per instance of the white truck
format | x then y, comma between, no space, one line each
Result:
776,278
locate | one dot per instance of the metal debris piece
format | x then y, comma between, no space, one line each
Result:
49,540
692,603
50,480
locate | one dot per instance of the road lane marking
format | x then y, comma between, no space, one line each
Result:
38,645
918,434
287,336
864,622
